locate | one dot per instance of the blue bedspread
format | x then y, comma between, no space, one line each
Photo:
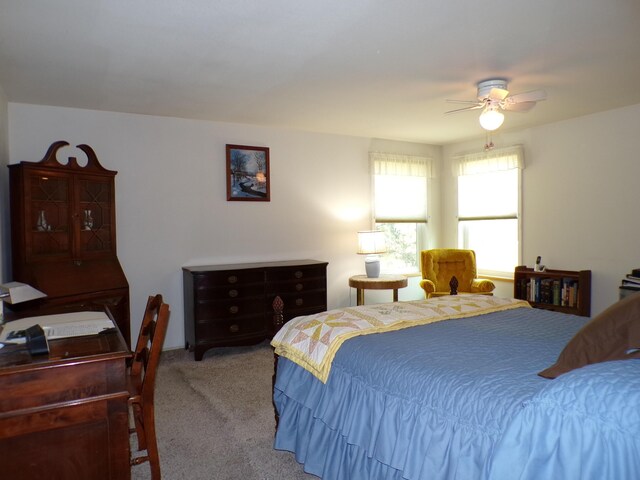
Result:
583,425
459,399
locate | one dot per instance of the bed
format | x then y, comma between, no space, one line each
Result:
458,398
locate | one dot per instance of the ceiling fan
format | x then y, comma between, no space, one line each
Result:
493,97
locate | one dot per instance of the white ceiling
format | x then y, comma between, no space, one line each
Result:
375,68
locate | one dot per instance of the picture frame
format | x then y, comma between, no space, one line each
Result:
248,174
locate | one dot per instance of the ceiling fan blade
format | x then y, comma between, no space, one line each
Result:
468,102
519,107
473,107
533,96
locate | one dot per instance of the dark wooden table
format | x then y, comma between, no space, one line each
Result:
64,415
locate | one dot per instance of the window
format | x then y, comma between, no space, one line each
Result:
489,208
400,208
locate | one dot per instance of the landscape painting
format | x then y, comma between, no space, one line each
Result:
248,173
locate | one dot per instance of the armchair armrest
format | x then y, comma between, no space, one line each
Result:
428,286
479,285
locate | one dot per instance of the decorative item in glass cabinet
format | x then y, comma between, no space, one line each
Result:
42,224
88,220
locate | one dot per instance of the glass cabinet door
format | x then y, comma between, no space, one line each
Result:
48,215
95,215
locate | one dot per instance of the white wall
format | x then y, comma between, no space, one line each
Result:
171,195
580,196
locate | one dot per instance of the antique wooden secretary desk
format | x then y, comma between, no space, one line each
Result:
64,414
63,236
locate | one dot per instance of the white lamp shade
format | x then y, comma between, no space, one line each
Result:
17,292
371,242
491,119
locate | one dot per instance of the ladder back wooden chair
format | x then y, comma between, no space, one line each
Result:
142,376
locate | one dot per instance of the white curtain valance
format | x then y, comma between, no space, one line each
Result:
400,165
493,161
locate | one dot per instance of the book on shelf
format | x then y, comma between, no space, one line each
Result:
569,292
557,292
635,272
631,279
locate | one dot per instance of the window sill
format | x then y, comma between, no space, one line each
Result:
408,275
501,278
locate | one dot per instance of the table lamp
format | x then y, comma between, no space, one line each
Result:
17,292
371,243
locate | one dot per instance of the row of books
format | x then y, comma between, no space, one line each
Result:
632,280
553,291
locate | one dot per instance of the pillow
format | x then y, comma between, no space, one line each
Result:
612,335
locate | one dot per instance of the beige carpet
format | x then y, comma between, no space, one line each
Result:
214,418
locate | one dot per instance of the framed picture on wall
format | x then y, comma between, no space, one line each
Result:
248,173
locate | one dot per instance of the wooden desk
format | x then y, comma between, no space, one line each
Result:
383,282
65,415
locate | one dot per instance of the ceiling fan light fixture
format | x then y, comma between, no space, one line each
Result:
491,119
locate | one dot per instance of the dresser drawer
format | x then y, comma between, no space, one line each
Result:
301,301
297,286
226,292
207,311
229,329
299,273
228,277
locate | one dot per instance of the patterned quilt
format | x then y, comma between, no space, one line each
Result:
312,341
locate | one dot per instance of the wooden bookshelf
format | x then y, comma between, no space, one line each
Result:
559,290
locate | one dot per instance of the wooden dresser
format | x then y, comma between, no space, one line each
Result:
226,305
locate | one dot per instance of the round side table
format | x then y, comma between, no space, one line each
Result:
383,282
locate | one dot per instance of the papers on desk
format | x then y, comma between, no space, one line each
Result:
58,326
77,329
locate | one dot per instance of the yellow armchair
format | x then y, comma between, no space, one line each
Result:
440,264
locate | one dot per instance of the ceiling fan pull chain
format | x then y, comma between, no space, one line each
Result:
489,143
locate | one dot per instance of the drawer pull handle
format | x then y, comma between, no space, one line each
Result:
232,279
233,293
234,328
234,309
299,302
299,286
298,274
